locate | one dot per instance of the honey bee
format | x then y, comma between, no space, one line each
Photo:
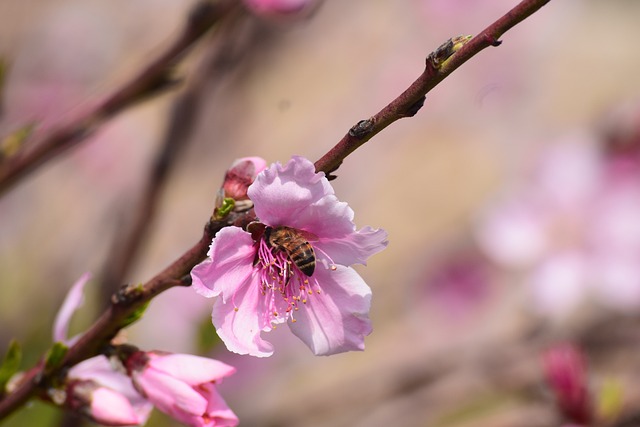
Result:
295,244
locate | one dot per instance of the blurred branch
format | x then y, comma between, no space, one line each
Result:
235,38
153,79
438,67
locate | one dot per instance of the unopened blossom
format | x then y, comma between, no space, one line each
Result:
279,7
565,369
95,389
259,284
183,386
241,175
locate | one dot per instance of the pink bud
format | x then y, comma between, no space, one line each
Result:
279,7
241,175
105,395
566,373
183,386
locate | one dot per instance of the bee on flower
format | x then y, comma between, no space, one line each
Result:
293,266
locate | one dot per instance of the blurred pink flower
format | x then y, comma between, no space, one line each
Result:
96,390
278,7
259,285
566,372
183,386
573,228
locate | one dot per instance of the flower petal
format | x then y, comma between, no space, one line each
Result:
113,409
193,370
169,394
72,301
354,248
229,263
240,329
337,319
217,409
281,193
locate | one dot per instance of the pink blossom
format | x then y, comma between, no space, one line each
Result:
278,7
566,372
183,386
105,395
258,286
572,227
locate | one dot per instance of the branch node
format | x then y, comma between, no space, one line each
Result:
438,57
415,107
362,128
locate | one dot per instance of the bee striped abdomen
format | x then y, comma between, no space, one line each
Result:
304,258
296,246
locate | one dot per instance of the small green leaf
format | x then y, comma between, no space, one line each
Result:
10,364
136,315
55,355
225,208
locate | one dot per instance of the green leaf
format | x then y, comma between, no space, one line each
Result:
10,363
55,355
225,208
136,315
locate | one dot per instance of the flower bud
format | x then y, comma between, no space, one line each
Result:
183,386
279,8
97,390
566,373
233,193
101,404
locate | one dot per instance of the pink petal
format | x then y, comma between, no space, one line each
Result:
217,408
281,193
240,329
337,319
169,394
514,233
191,369
354,248
100,370
112,409
616,280
559,284
72,301
229,263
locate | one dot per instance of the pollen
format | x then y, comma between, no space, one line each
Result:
235,309
334,267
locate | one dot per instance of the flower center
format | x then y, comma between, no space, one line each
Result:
284,286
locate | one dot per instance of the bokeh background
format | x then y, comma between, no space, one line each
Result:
458,327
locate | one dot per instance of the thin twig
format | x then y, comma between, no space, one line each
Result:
152,80
224,54
410,101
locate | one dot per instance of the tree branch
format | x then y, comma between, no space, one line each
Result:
152,80
411,100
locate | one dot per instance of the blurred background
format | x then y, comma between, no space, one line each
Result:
512,199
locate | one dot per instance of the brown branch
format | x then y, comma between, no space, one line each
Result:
411,100
123,305
227,50
152,80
